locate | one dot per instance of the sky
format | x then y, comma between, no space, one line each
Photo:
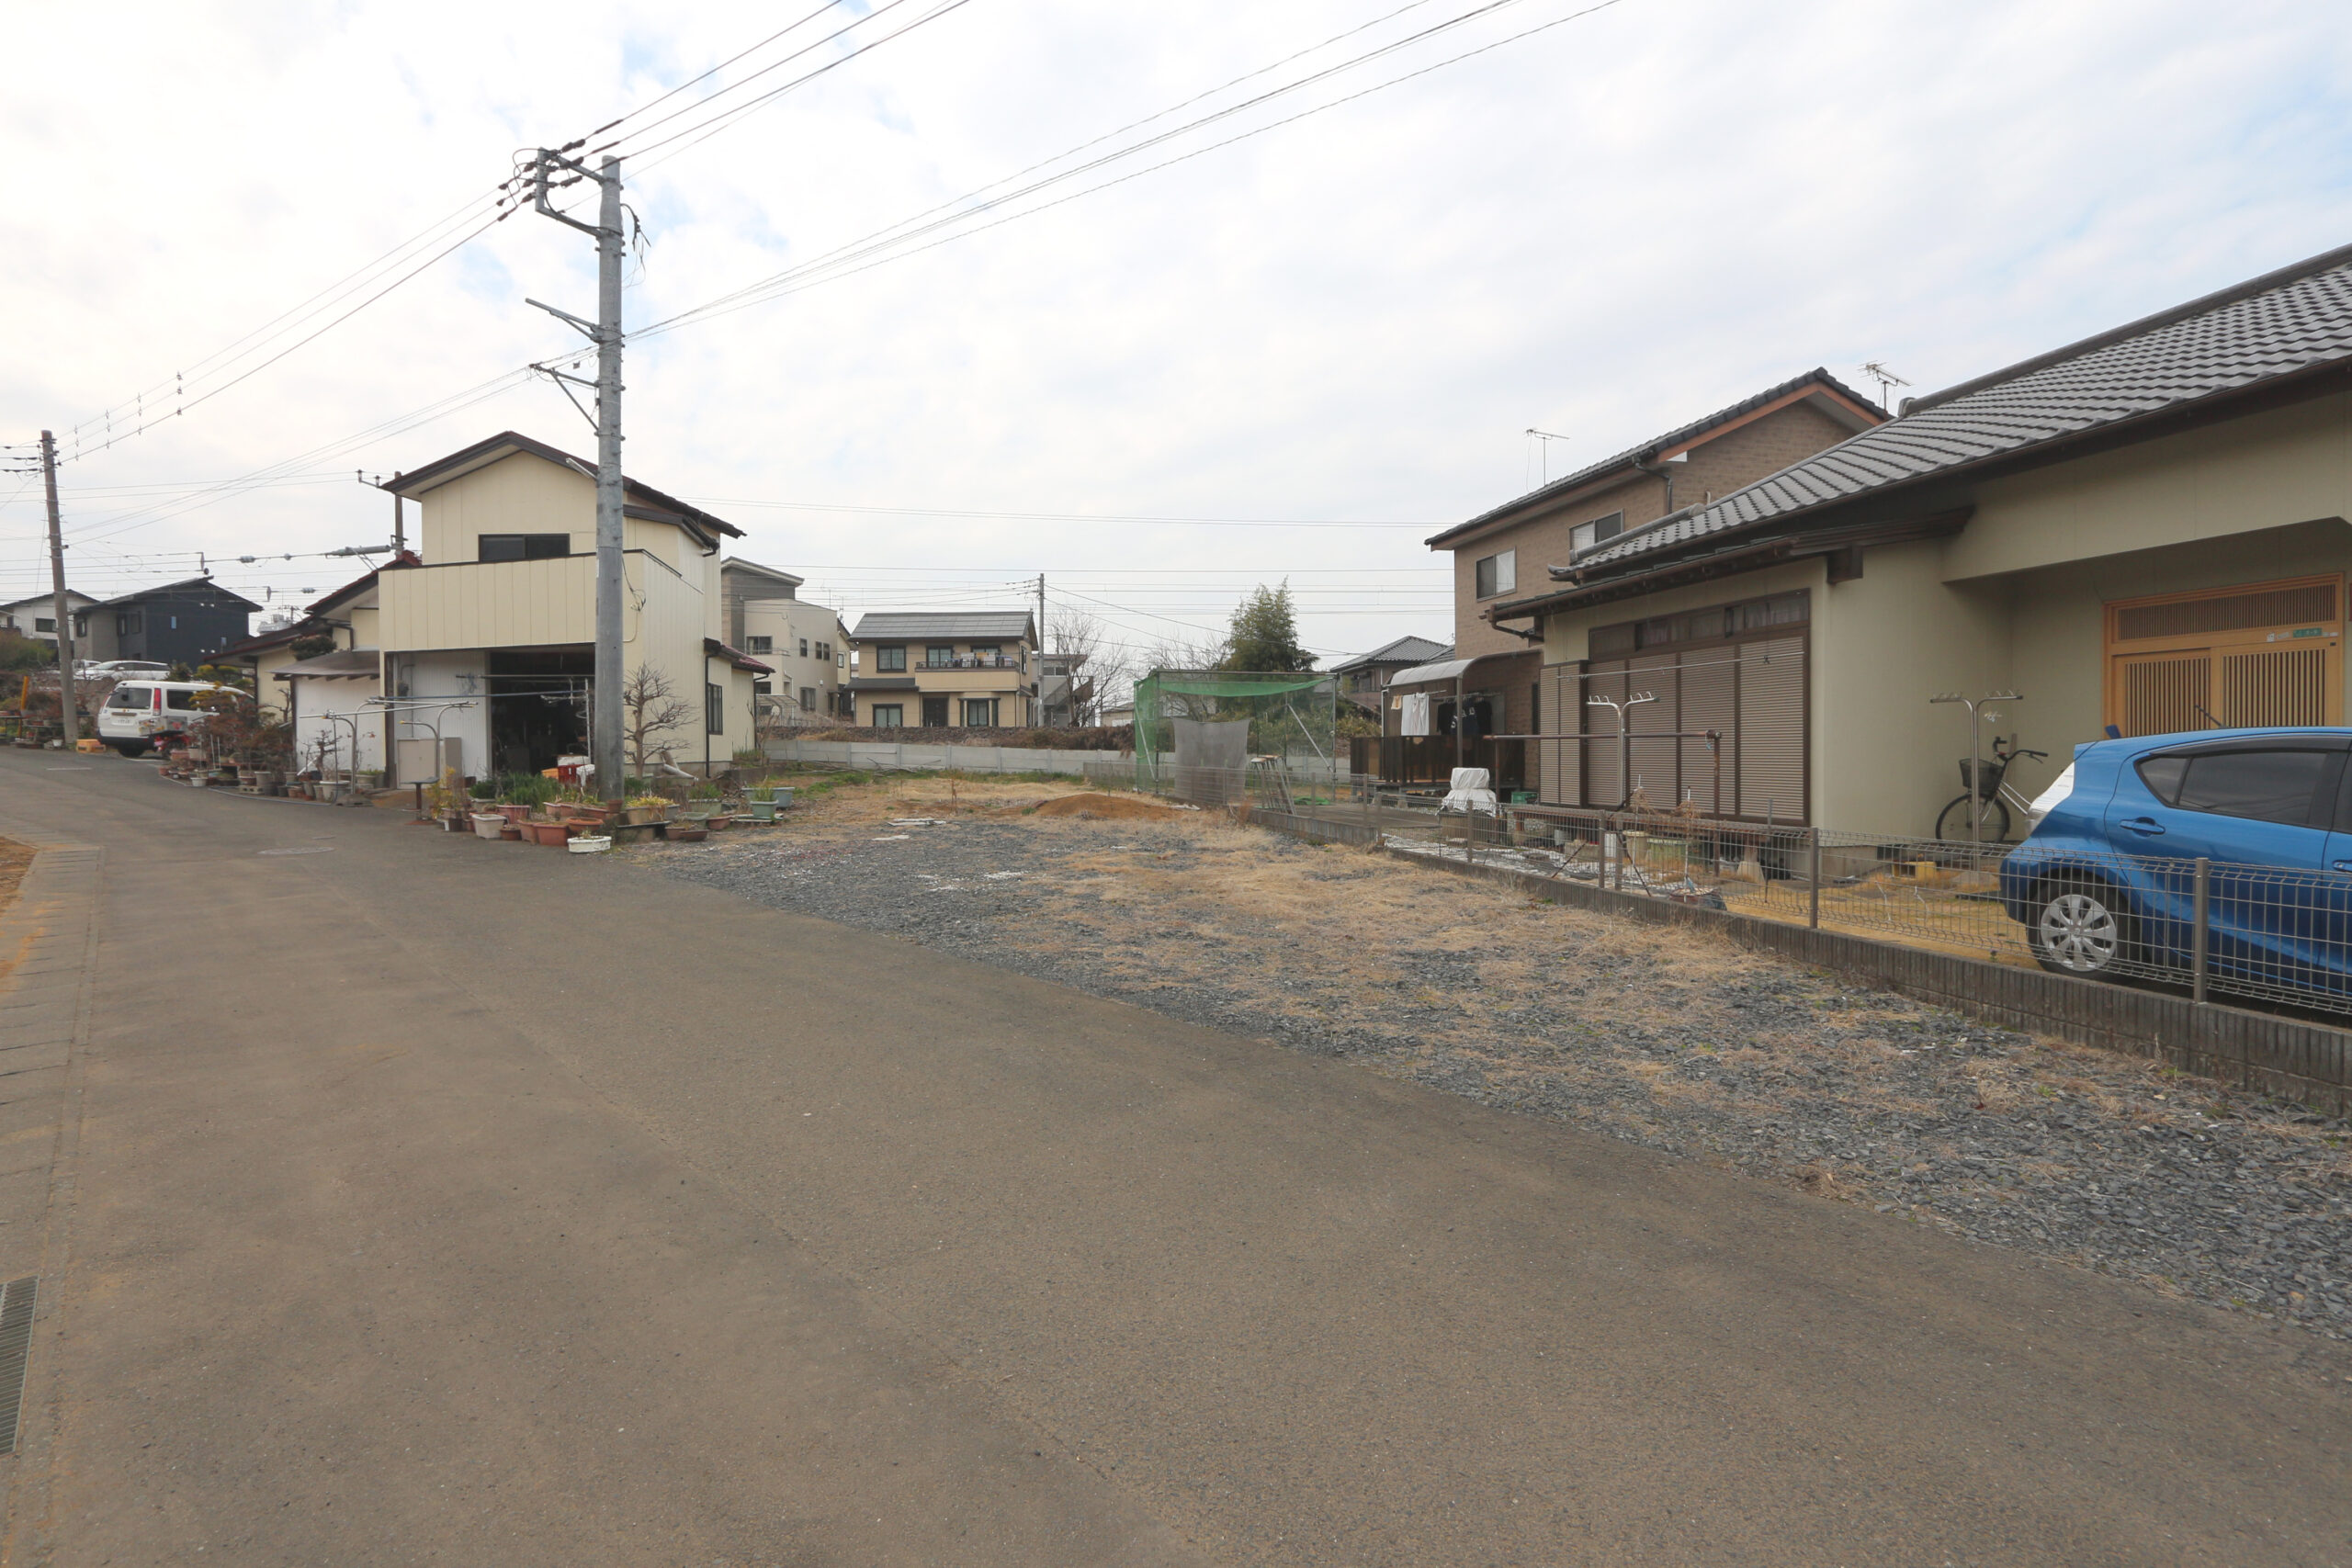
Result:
1290,357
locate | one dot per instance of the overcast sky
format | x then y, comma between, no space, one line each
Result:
1603,230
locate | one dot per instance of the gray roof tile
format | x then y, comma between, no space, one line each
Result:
951,626
2270,326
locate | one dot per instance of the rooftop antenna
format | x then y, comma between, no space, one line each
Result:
1542,436
1887,381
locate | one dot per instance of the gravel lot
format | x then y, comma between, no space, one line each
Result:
1670,1038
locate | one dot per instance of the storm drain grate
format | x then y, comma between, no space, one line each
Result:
15,1340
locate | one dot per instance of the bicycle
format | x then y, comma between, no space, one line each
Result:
1993,797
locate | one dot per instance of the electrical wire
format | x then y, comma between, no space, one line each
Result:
890,243
1053,516
724,117
714,71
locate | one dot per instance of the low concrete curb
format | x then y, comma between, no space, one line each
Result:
2284,1057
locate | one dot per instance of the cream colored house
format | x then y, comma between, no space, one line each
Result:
498,612
2145,530
959,668
801,642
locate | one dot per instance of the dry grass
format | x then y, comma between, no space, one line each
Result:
15,858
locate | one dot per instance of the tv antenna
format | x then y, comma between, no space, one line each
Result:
1887,381
1542,437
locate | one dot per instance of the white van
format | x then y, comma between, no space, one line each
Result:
138,715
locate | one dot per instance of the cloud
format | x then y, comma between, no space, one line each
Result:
1602,231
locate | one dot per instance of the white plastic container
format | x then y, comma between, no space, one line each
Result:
588,846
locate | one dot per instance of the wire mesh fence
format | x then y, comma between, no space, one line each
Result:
2280,933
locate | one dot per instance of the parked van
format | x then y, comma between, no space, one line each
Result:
140,714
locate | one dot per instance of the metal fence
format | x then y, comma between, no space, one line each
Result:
2280,933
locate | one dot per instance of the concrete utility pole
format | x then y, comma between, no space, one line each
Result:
57,607
1038,717
605,712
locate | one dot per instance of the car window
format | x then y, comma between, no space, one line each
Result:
181,702
129,697
2267,786
2163,776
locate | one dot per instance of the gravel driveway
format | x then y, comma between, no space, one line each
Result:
1672,1038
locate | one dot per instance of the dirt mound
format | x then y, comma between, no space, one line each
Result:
1093,802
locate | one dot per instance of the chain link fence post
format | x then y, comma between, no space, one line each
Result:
2196,940
1813,900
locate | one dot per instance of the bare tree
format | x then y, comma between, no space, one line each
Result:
1102,669
649,704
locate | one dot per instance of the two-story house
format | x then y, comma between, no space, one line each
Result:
180,623
964,668
326,694
497,619
1501,554
800,641
36,617
1363,678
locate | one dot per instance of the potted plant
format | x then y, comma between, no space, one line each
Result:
487,824
640,809
547,831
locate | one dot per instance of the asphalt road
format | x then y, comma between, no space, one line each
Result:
412,1199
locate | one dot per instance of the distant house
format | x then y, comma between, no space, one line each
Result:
1501,555
180,623
1362,678
968,668
2147,529
36,617
1065,693
326,692
802,642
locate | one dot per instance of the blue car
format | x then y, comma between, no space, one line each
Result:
2105,882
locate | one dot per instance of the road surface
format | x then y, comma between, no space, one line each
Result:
402,1198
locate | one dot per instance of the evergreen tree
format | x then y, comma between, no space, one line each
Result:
1264,633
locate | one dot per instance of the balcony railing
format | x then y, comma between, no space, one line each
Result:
971,662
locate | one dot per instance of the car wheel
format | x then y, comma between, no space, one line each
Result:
128,748
2079,928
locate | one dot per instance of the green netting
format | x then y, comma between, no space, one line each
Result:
1293,718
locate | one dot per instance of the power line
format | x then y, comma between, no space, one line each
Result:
733,112
890,243
1054,516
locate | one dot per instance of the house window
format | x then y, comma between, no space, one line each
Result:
1600,531
804,647
939,656
759,687
40,625
759,644
891,660
808,699
888,716
979,713
523,547
1498,574
714,708
934,713
824,650
985,654
127,623
81,623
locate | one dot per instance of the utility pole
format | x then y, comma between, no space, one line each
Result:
57,607
605,709
1039,716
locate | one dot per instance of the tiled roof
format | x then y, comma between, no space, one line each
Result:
2293,319
1404,650
949,626
1672,438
